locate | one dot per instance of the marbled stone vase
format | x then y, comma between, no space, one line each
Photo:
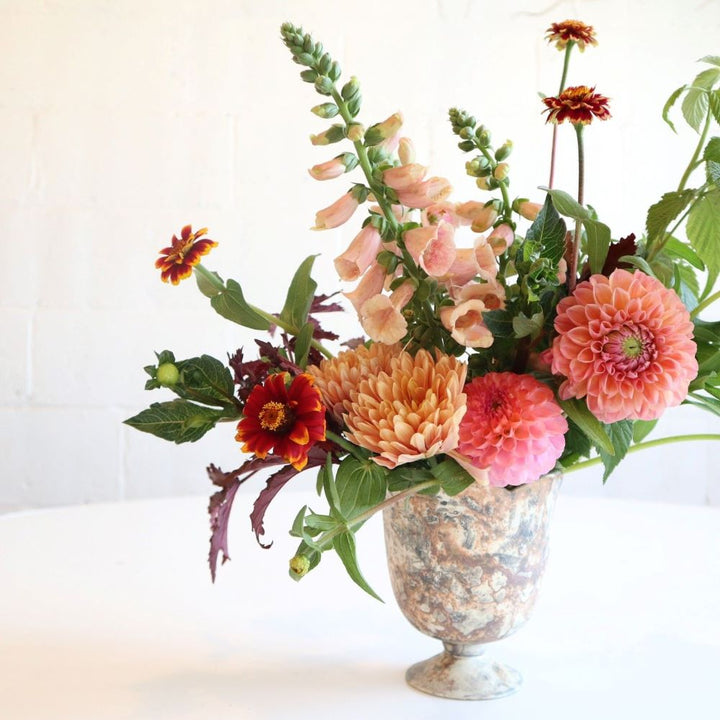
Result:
466,570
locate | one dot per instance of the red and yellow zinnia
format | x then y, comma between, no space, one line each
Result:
286,419
571,31
177,261
579,105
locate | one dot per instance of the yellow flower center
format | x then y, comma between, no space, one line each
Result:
275,416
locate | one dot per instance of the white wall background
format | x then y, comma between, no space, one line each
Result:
123,120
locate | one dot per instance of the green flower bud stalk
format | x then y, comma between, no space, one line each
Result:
503,152
167,374
299,567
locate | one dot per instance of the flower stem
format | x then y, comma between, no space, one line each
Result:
694,160
566,65
345,445
575,251
644,446
705,303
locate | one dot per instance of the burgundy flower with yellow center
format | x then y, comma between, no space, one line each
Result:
177,261
285,419
569,31
579,105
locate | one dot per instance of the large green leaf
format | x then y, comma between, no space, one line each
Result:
695,107
300,295
703,229
598,242
452,476
663,212
621,435
360,485
207,380
231,304
548,231
180,421
566,205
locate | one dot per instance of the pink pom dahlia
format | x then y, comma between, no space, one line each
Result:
513,427
625,344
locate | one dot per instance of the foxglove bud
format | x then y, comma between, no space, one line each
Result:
504,151
381,131
406,151
501,171
325,110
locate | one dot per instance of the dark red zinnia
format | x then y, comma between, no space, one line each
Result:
285,419
177,261
568,31
579,105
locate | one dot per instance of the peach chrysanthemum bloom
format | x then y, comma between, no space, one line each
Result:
579,105
513,427
568,31
338,377
410,412
625,344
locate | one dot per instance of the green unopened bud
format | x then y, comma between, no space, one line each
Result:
501,171
466,133
325,110
482,183
334,71
473,167
350,89
382,131
504,151
324,85
299,567
167,374
333,134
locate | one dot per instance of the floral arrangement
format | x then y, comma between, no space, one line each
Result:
538,342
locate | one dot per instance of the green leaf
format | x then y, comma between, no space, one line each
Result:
344,545
578,412
296,529
685,284
598,242
621,435
566,205
707,78
360,484
548,231
668,105
713,172
678,249
642,428
703,229
500,323
300,295
695,107
639,263
710,60
207,380
714,99
663,212
452,476
712,150
180,421
524,326
321,522
331,493
303,341
205,286
231,304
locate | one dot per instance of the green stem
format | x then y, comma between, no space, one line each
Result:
326,539
694,160
219,285
572,271
644,446
507,205
705,303
345,445
566,65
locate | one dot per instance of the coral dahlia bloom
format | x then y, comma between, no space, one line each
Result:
337,378
625,344
410,412
285,419
569,31
184,252
579,105
513,427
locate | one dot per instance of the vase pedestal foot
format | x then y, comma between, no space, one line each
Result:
463,672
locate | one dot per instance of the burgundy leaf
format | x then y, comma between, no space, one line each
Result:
276,358
624,246
248,374
318,304
354,343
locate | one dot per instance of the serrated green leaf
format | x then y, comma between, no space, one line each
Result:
712,150
344,545
668,105
621,435
179,421
579,413
714,99
206,380
360,484
695,107
300,295
706,78
303,341
703,229
713,172
548,231
452,476
598,242
663,212
678,249
231,304
710,59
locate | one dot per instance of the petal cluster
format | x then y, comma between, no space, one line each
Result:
403,408
177,261
286,419
513,427
625,344
578,104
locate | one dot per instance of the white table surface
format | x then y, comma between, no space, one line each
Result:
107,612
